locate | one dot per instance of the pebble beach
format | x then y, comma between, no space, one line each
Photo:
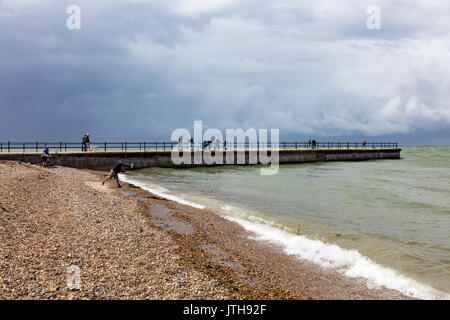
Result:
128,243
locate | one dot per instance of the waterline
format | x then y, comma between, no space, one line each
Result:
348,262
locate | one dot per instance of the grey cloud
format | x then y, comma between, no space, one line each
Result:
139,69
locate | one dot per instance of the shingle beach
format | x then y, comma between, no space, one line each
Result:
130,244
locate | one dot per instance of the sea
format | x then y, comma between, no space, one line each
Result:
386,221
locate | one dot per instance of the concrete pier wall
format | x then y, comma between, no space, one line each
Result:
105,160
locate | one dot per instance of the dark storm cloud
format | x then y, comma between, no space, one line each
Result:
139,69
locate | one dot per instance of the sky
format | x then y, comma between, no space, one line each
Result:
138,69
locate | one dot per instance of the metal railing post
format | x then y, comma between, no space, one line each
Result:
9,146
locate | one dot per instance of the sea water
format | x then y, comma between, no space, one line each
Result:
387,221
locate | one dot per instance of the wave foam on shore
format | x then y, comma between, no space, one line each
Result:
159,191
350,262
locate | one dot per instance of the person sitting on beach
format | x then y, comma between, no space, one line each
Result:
114,173
45,156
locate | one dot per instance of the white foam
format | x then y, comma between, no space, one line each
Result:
159,191
350,262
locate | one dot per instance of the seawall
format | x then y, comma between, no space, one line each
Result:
105,160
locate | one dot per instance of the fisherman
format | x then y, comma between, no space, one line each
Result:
114,173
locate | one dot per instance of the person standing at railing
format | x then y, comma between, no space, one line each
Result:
45,156
210,144
206,144
83,144
313,144
114,173
364,143
216,144
86,143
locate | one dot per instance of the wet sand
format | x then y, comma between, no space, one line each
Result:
132,244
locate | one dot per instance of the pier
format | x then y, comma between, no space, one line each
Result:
159,154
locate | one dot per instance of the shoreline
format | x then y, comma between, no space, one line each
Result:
264,263
132,244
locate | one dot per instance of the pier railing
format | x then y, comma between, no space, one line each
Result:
29,147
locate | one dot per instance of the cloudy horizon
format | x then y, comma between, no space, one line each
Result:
138,69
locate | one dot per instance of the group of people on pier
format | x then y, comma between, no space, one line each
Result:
205,144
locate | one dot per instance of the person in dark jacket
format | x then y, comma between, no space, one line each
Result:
86,143
114,173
